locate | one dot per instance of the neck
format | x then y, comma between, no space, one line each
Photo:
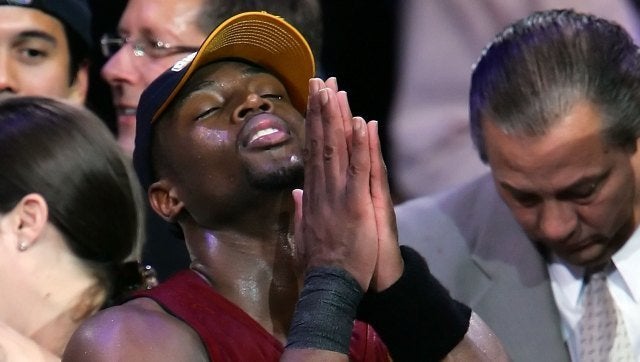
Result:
49,302
252,265
55,326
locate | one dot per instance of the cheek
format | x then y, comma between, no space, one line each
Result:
608,214
211,153
49,81
215,138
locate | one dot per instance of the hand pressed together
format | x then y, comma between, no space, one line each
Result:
345,216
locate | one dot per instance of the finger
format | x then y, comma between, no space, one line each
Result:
347,117
297,195
315,84
390,265
332,83
345,109
358,191
312,154
335,153
379,179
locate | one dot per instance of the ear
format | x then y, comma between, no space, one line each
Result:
80,87
164,200
32,213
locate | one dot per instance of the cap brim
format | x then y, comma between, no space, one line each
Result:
263,39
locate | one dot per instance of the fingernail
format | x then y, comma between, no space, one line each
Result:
359,125
373,128
313,85
324,95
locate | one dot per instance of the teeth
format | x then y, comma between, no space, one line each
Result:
262,133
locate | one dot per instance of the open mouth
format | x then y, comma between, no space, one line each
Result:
264,130
126,111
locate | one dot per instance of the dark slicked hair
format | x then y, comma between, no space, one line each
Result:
537,69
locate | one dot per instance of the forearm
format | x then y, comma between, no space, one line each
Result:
322,323
416,317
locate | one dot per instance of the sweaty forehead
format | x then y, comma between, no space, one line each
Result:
218,74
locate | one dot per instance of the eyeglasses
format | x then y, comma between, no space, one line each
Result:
110,44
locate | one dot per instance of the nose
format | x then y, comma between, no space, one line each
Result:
120,68
7,75
557,221
252,103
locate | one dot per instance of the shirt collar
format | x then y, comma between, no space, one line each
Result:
627,262
569,278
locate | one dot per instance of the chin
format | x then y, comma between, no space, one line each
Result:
593,256
286,178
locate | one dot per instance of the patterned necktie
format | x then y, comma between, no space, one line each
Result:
603,336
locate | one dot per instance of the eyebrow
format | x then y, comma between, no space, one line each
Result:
593,179
37,34
187,91
205,84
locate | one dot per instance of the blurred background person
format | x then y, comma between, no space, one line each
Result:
64,184
44,48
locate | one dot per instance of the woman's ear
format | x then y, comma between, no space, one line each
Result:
32,215
164,200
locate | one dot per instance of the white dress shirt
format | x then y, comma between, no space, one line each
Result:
623,281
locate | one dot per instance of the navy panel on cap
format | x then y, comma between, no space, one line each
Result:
150,100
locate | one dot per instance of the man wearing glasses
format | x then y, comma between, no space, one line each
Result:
152,36
44,47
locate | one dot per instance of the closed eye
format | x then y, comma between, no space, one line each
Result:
581,192
272,96
584,190
207,113
526,199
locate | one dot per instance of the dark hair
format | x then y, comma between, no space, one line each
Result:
537,69
67,155
304,15
78,53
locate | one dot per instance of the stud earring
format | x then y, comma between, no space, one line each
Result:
23,245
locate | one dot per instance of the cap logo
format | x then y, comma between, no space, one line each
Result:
180,64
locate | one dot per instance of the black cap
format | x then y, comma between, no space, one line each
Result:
75,14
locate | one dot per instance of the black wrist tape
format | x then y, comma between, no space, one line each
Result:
416,317
325,312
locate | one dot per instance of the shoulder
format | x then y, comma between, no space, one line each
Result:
457,214
137,330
